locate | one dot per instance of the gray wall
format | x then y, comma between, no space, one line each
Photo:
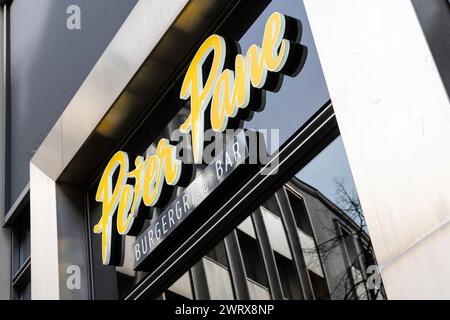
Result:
434,16
5,235
5,263
48,64
322,220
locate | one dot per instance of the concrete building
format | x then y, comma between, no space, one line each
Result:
351,97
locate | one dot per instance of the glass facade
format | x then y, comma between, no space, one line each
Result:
306,240
298,244
333,250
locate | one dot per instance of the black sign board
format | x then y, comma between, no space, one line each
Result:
221,169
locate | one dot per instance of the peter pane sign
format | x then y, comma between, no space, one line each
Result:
227,90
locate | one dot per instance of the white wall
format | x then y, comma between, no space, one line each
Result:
394,116
44,236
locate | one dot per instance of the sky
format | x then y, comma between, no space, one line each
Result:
329,165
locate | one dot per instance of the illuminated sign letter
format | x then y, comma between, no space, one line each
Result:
149,175
199,91
229,90
224,91
110,198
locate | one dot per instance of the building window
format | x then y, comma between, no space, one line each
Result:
319,286
282,230
356,280
253,261
21,250
300,214
219,254
289,281
331,266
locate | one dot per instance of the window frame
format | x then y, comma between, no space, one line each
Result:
295,153
309,140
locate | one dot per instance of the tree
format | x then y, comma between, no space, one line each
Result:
354,237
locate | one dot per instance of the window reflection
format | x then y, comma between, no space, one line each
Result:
335,248
328,250
330,173
289,281
253,261
219,254
299,97
300,214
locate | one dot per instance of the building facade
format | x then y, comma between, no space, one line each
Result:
224,149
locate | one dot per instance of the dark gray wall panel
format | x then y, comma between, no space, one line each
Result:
48,64
434,16
5,263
